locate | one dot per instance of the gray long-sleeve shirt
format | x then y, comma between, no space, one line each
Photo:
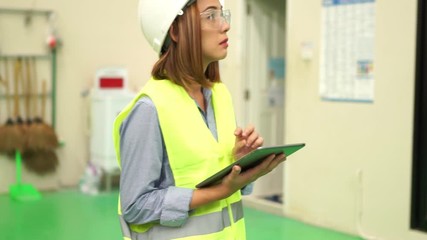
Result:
147,188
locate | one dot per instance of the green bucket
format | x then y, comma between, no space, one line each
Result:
22,192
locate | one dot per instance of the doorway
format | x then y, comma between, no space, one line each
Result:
264,76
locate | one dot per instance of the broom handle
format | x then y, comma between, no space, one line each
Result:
43,99
17,73
18,159
27,89
1,83
6,85
35,90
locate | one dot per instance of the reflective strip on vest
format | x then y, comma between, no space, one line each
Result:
196,225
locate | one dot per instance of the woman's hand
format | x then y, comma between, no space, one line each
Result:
236,180
247,140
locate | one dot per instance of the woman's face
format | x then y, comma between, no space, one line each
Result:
214,28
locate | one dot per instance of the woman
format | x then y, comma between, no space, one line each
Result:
180,129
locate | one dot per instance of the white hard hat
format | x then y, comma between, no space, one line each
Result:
156,17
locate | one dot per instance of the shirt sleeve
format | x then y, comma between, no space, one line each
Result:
248,189
147,191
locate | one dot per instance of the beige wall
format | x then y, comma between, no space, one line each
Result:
95,34
353,149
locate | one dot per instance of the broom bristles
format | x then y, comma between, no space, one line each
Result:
41,136
11,138
40,161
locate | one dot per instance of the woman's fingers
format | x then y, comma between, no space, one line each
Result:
237,179
255,142
235,171
238,132
270,163
276,161
252,137
248,130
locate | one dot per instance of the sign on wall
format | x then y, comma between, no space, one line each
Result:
347,52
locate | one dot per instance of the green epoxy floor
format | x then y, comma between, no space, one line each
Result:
71,215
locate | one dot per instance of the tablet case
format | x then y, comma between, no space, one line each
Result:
250,160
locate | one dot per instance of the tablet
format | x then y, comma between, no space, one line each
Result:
250,160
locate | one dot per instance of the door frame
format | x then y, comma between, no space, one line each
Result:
419,167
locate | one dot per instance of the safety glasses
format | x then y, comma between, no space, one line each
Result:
215,18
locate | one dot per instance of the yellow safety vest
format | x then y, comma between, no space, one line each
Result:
194,154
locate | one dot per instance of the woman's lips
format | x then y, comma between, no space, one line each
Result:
224,43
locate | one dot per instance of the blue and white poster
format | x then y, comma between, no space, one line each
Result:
347,50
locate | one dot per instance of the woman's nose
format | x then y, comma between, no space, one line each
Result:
225,26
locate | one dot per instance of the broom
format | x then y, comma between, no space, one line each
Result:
42,136
40,156
28,153
32,130
11,134
1,127
20,191
27,93
19,120
43,159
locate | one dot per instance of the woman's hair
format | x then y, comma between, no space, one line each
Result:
182,61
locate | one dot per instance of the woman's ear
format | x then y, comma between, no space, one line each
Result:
173,33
